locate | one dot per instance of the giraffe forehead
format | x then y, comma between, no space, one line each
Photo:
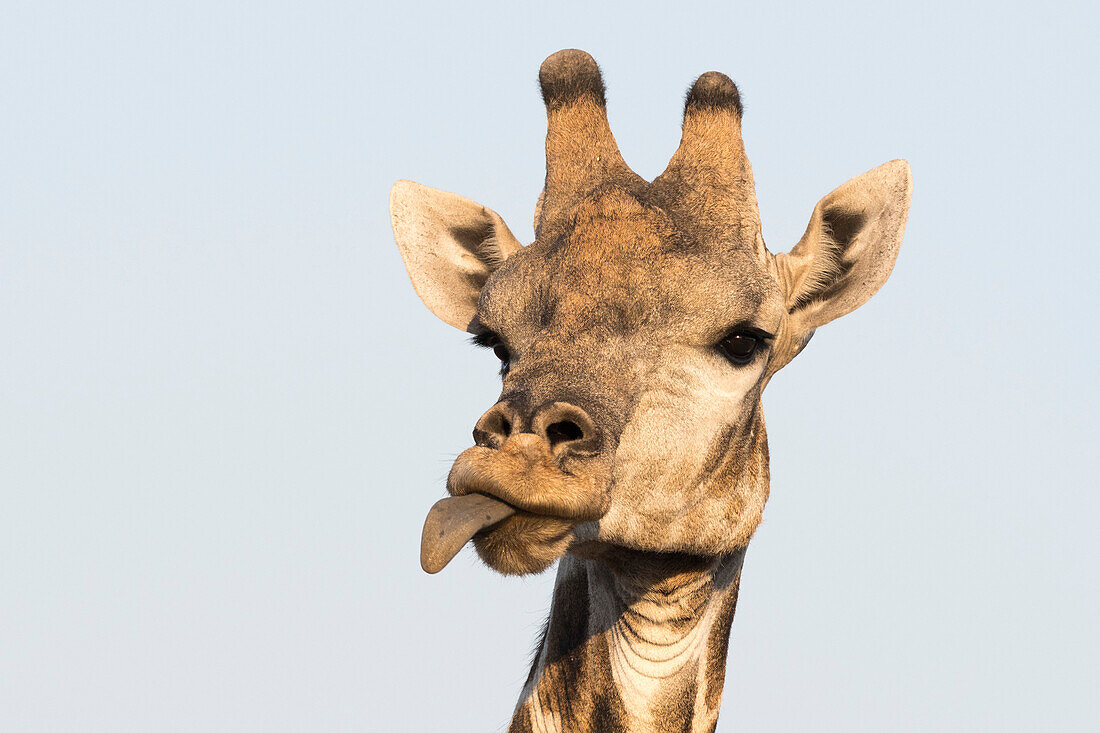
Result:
624,266
619,236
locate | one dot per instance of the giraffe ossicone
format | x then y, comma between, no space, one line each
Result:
636,335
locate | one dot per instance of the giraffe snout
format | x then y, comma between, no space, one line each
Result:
563,429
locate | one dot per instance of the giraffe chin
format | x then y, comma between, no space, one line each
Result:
524,543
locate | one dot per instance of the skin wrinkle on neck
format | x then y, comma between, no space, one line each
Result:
651,621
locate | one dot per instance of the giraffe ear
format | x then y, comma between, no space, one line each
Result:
450,246
849,247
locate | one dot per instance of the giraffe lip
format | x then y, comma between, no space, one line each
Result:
529,483
452,522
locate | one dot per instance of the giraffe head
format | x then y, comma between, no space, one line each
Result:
636,333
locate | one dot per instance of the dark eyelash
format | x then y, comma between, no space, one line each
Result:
486,339
751,331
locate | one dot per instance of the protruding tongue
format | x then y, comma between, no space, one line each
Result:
450,524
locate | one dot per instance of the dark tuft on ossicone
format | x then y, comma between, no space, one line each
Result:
713,91
568,76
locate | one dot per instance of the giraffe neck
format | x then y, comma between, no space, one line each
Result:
634,642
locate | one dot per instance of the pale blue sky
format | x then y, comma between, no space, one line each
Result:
224,413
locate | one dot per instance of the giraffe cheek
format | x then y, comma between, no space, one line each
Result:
684,469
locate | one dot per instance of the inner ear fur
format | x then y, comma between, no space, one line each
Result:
450,246
849,247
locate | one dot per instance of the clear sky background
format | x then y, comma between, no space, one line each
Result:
224,413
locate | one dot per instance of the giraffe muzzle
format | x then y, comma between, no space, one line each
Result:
489,485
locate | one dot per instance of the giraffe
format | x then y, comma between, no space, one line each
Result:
636,335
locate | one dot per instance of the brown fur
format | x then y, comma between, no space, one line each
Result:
630,445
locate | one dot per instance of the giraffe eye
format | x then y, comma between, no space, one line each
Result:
490,340
739,347
505,357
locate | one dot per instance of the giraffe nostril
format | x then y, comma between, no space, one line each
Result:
566,428
561,426
495,426
563,431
